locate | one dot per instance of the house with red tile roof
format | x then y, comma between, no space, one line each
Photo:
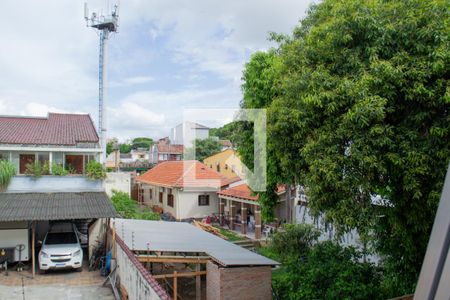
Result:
184,189
240,209
68,140
164,150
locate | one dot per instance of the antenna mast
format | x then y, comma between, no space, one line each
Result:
106,25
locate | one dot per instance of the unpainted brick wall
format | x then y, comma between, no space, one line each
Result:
241,283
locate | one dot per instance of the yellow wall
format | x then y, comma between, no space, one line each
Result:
228,160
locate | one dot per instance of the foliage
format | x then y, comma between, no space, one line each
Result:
231,235
37,169
319,270
142,142
95,170
7,171
203,149
125,148
128,208
58,170
295,240
358,104
226,132
109,148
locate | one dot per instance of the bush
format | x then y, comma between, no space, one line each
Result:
37,169
95,170
319,270
295,240
58,170
7,171
127,208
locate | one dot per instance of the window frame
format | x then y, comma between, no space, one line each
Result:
202,198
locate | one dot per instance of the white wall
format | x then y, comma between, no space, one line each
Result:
188,205
120,181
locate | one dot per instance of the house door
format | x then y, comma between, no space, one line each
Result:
75,163
25,159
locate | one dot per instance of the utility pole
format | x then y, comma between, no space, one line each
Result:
106,25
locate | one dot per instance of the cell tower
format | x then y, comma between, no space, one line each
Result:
105,25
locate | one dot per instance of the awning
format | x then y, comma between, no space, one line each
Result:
54,206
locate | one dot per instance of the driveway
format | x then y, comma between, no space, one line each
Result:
56,291
64,284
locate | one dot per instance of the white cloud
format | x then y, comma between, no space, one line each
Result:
49,59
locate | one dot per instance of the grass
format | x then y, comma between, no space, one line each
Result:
232,236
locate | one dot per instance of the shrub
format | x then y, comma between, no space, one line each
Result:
37,169
58,170
127,208
95,170
7,171
295,240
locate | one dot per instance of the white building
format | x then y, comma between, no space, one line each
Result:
184,189
185,133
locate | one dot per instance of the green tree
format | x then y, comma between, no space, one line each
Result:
109,148
360,109
204,148
125,148
142,142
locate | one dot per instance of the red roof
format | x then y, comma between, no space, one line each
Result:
171,149
56,129
243,191
240,191
190,173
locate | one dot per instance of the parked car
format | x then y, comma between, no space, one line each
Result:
61,249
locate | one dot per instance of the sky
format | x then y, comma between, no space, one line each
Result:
168,55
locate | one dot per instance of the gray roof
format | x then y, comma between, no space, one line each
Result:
55,206
140,235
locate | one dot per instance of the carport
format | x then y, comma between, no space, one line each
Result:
35,207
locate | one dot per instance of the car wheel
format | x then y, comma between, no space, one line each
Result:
80,269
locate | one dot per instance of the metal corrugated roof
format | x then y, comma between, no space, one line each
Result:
55,206
140,235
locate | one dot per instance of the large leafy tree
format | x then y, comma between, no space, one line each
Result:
361,109
203,149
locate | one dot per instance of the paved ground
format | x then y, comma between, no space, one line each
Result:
55,285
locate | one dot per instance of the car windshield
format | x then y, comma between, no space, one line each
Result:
55,238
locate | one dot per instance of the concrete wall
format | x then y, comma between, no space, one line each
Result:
136,280
54,184
246,283
118,181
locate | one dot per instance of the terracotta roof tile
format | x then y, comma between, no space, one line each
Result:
240,191
56,129
183,174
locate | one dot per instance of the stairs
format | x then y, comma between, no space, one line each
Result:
247,244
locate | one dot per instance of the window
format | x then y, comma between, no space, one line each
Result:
160,197
218,167
170,200
43,158
226,167
74,163
203,200
151,194
24,160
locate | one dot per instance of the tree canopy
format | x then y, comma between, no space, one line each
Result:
358,100
204,148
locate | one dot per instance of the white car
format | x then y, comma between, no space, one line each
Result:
61,249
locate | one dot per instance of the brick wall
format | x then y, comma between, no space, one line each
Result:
246,283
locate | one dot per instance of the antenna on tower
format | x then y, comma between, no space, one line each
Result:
105,25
